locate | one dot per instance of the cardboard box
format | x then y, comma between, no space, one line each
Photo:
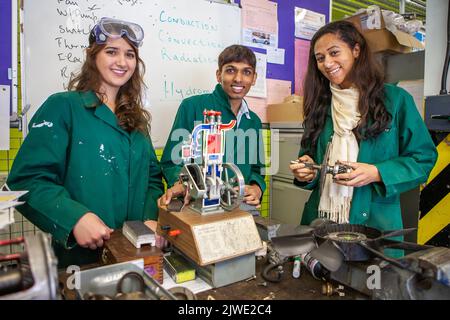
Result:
291,110
383,40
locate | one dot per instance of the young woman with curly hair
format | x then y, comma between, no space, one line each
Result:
88,161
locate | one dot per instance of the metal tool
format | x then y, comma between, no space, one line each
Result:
251,278
263,284
328,289
325,168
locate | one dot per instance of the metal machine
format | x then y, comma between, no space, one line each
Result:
32,274
422,275
346,253
215,186
212,232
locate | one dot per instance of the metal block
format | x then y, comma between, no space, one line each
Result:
227,272
267,228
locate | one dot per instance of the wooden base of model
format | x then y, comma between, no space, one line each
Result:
211,238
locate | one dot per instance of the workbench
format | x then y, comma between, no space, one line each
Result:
289,288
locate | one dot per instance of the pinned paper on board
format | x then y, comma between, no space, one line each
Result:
301,64
259,23
260,15
260,89
275,55
307,23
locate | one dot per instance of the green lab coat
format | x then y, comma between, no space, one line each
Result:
248,156
77,159
404,155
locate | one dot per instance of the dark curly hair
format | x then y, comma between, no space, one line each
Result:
367,77
129,111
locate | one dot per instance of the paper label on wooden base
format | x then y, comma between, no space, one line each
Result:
226,238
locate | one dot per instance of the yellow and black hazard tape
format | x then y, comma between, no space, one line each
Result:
434,222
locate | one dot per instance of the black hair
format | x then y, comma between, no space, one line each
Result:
237,53
366,76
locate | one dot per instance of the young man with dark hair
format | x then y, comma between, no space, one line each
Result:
236,74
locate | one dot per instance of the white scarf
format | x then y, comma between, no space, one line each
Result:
335,200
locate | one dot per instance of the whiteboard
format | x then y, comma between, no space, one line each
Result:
183,39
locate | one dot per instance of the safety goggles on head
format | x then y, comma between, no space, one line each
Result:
114,29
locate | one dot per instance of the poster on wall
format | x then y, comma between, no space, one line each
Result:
259,24
301,63
307,23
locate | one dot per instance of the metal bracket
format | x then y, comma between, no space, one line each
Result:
16,121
